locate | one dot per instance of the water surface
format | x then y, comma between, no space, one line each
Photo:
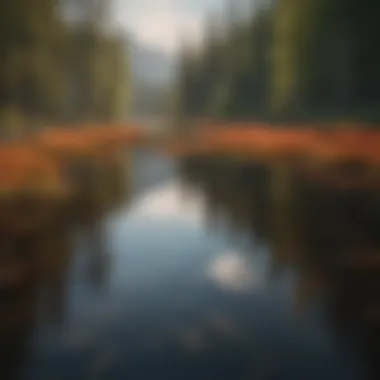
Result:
175,285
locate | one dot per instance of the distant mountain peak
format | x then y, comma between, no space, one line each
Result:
149,66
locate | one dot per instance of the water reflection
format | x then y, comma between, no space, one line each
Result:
98,259
328,236
233,271
200,276
38,271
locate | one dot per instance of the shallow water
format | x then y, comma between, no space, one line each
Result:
162,289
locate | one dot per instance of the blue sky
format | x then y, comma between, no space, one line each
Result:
163,24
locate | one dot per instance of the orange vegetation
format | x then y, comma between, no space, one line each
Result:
33,165
25,168
89,140
266,142
32,171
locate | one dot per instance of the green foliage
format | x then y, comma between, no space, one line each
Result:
57,70
230,77
12,122
294,60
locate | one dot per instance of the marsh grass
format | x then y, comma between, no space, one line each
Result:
78,169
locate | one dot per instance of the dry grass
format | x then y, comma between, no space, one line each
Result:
27,169
264,141
89,140
346,157
33,172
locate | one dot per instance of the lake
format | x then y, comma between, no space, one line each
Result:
205,271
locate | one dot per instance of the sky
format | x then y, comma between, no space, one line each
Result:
164,24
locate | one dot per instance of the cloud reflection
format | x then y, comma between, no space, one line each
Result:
170,202
233,271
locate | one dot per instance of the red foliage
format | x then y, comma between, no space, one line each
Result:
25,167
265,141
90,140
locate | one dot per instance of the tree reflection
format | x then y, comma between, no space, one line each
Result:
98,258
18,303
329,234
16,324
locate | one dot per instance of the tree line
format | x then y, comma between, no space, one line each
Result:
57,68
293,60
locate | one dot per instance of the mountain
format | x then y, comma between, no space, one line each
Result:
152,73
150,66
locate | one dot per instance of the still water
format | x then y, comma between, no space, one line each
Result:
183,281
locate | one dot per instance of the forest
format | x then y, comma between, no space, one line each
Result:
289,61
57,68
